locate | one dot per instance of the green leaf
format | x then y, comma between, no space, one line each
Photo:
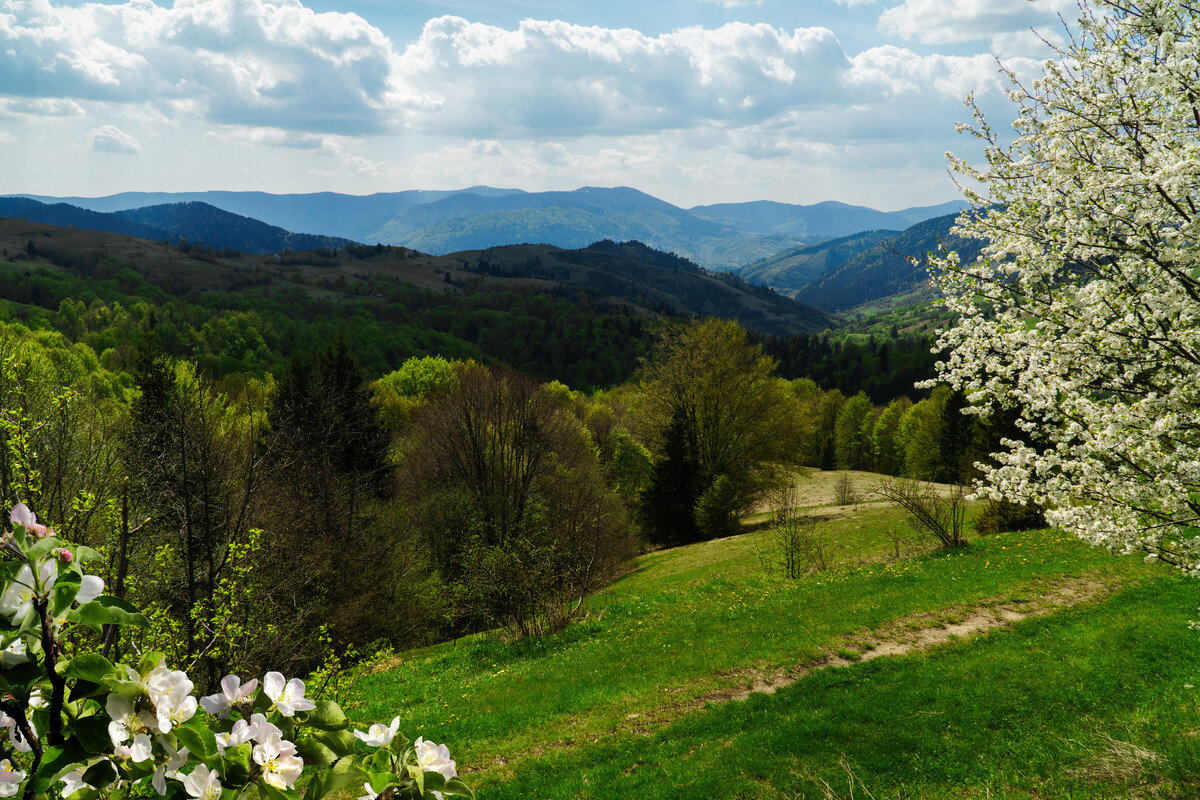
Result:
92,733
56,762
64,594
148,662
90,667
456,788
84,554
270,791
102,773
235,765
42,548
197,738
327,716
109,610
381,761
341,742
431,781
313,752
339,775
83,689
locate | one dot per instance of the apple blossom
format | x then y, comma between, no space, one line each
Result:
278,760
10,779
21,515
288,698
15,737
233,692
90,588
17,599
126,720
15,653
379,735
74,782
203,784
434,758
175,760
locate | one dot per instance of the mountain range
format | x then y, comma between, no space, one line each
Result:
723,236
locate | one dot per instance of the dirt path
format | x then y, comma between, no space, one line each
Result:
905,635
915,632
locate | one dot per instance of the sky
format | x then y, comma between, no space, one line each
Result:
693,101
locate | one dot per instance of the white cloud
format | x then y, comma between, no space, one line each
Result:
735,3
1006,24
6,137
554,78
249,62
111,139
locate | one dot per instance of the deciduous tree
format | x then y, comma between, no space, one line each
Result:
1083,313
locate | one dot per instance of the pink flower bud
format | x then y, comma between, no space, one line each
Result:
66,556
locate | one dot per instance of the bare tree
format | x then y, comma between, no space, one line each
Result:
795,542
512,501
929,512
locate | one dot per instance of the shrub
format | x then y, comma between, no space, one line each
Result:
1000,516
716,510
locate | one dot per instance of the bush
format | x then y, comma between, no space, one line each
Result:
716,510
929,513
1000,516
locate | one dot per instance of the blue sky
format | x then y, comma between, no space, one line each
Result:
695,101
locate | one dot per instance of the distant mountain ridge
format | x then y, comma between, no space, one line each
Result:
722,236
838,275
196,222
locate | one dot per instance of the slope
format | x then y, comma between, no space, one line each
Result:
572,219
797,267
894,267
825,220
632,701
201,223
67,216
651,280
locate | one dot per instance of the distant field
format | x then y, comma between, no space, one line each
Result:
1079,649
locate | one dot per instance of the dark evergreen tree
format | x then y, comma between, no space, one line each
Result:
668,504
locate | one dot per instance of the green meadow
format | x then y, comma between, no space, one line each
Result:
641,696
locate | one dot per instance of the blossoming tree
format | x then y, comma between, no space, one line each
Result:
82,727
1083,313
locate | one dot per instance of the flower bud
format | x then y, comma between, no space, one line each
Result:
65,555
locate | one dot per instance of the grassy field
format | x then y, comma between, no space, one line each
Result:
636,700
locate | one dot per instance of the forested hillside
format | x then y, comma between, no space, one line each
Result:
195,222
885,269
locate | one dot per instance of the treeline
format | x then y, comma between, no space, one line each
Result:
255,329
882,367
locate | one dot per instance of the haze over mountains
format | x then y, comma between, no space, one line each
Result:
725,236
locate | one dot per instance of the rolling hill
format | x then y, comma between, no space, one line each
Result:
839,275
630,277
725,236
794,269
197,222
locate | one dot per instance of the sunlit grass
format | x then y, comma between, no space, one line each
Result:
688,624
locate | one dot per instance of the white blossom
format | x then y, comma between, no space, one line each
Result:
1082,317
17,598
278,760
233,692
15,653
434,758
74,782
379,735
175,760
203,784
10,779
288,697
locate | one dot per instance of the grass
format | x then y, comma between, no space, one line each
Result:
619,699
